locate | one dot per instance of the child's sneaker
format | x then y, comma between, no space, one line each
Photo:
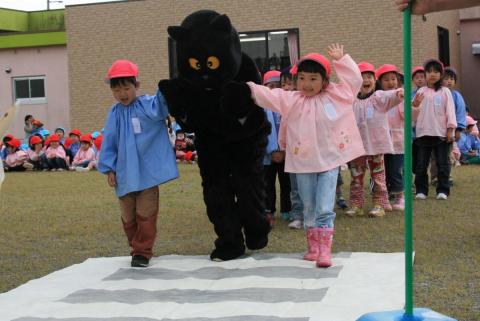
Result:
420,196
399,203
296,224
60,170
28,166
342,203
139,261
354,211
376,211
286,216
82,169
53,170
442,196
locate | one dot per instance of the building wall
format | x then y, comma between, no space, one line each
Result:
470,33
100,33
50,62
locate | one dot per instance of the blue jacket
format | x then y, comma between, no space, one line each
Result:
272,145
460,109
468,143
136,146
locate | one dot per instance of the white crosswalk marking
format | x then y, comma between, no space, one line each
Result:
261,287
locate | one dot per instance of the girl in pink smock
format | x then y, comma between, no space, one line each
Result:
56,156
387,79
370,108
17,160
84,156
434,112
321,135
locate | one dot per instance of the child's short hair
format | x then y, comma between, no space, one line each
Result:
285,73
179,131
450,72
435,65
122,81
27,117
313,67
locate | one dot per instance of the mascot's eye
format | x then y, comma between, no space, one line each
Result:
194,63
213,62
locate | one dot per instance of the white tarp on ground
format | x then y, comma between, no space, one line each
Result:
260,287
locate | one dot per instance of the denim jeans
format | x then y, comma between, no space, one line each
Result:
317,191
297,206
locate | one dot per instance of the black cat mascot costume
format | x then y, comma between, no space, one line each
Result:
230,143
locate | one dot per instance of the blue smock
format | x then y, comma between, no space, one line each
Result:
136,146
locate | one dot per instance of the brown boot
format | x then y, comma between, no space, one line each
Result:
144,239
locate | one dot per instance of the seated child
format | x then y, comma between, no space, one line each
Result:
74,143
4,150
468,144
36,153
184,148
17,160
85,155
56,156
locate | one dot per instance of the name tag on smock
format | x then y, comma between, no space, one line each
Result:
392,112
330,111
437,101
370,112
137,129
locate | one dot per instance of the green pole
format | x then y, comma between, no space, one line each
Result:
407,68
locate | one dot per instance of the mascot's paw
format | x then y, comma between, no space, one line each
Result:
256,242
236,100
226,254
174,94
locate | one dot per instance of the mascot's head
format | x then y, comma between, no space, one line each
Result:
208,49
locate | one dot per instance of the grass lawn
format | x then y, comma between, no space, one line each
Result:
52,220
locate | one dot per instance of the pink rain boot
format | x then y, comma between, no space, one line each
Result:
312,241
399,203
325,238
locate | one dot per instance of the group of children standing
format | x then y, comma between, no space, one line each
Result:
45,152
317,127
319,121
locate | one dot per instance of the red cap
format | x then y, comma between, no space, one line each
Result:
365,66
35,140
76,132
15,143
46,142
67,142
315,57
470,121
417,69
271,76
54,138
9,136
433,60
98,142
384,69
122,68
86,138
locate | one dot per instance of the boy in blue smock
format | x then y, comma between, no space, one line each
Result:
137,157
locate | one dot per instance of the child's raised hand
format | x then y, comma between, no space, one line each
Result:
417,100
335,51
400,93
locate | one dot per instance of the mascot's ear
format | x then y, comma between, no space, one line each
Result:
178,33
221,23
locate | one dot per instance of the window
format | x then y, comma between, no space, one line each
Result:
271,49
443,46
29,90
